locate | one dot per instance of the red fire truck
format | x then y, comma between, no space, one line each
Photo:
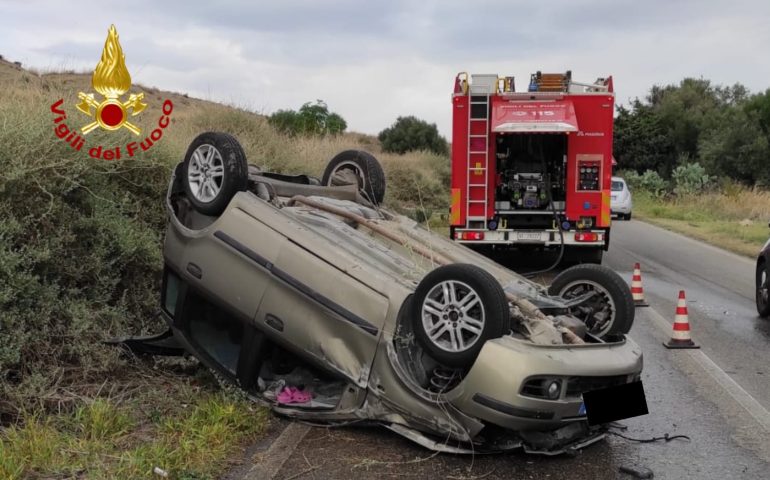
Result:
532,167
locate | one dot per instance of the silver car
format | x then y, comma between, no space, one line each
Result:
296,285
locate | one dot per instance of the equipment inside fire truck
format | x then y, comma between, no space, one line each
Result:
532,168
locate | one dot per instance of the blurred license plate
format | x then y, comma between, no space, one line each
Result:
615,403
528,236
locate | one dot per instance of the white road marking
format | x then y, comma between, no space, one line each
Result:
744,399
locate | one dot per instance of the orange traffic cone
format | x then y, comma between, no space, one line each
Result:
680,338
636,287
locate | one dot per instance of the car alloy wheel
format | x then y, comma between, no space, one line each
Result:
453,316
205,173
214,169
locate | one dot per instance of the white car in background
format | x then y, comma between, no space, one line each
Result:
620,201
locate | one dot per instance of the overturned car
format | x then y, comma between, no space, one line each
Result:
310,296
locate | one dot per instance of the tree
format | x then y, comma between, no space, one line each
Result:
642,141
411,133
737,146
724,129
311,119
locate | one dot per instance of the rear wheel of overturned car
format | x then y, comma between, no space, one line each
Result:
356,167
610,310
213,171
459,307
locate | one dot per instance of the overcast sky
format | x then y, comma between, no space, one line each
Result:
374,61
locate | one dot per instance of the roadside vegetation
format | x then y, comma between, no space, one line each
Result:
80,262
695,157
412,134
311,119
132,425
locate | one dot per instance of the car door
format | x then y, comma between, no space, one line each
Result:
214,282
317,309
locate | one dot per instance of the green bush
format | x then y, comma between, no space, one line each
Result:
311,119
650,181
690,179
410,133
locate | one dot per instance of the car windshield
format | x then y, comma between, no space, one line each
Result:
617,186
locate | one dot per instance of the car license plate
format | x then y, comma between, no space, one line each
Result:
528,236
614,403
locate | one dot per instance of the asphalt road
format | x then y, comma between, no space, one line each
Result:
718,396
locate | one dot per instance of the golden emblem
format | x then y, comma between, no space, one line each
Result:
112,80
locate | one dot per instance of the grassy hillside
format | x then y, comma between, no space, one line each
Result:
80,258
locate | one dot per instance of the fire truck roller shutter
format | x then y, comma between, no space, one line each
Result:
556,116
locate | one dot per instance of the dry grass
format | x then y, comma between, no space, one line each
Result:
735,219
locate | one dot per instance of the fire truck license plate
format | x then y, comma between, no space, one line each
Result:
528,236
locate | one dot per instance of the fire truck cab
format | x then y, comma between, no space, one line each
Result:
533,167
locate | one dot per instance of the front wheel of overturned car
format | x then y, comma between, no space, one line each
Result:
213,171
610,310
458,307
356,167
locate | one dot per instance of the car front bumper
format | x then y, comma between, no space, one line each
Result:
492,389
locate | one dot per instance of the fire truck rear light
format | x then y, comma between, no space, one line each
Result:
469,236
586,237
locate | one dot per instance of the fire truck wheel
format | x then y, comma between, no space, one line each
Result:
353,167
213,171
610,310
457,308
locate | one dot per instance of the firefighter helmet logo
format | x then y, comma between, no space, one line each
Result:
112,80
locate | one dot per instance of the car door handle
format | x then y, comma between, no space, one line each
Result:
195,270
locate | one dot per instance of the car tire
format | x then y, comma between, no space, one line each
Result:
763,302
213,171
456,309
627,216
356,166
614,301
